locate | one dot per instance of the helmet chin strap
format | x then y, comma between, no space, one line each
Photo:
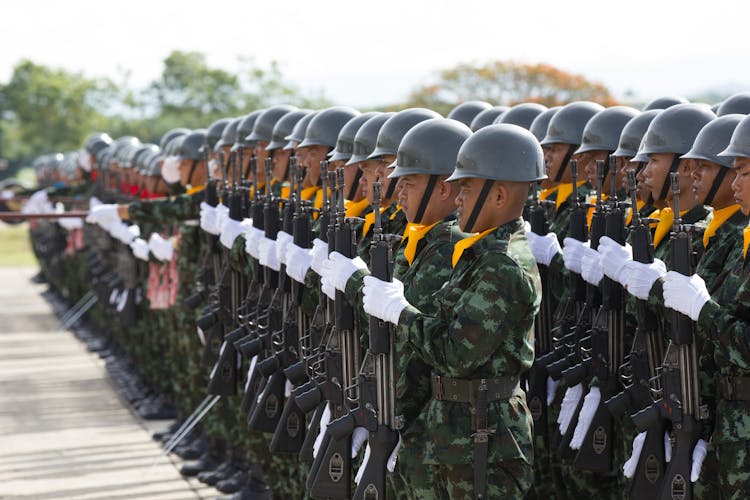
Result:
425,198
478,205
665,187
566,160
355,185
715,185
192,171
641,165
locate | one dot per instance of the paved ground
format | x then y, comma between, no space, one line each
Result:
64,432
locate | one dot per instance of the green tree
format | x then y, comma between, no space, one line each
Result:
507,83
47,109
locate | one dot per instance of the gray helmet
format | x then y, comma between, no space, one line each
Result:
675,128
522,114
324,129
715,107
501,152
171,135
126,153
602,132
430,147
632,134
215,130
713,138
174,145
244,128
366,137
191,147
229,134
284,127
345,142
737,103
153,167
299,130
740,143
143,155
466,111
664,102
394,129
541,122
487,117
96,142
567,125
263,129
120,146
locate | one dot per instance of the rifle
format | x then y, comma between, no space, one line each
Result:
376,408
330,475
680,393
537,377
640,369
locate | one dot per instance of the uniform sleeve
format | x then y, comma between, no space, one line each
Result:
180,208
493,312
729,325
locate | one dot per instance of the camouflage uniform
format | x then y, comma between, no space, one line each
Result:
484,329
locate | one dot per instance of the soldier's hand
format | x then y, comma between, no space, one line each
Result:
686,294
384,299
639,277
591,267
338,269
628,469
573,254
544,247
699,454
614,258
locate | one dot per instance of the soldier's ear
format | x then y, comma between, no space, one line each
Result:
500,194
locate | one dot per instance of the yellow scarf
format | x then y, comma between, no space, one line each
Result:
564,191
546,193
285,192
369,221
354,208
666,219
195,189
393,215
459,247
720,217
638,206
746,238
413,234
308,192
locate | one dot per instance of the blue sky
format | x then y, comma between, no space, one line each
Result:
370,53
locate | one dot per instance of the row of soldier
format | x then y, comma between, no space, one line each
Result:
368,297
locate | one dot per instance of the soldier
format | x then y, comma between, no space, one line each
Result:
481,340
722,320
426,157
468,110
487,117
522,114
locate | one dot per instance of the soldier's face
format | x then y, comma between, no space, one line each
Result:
466,200
741,184
587,165
259,150
369,176
655,173
383,171
411,190
553,158
350,176
279,163
311,163
703,178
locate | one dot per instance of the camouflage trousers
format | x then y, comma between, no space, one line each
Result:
412,478
505,480
734,469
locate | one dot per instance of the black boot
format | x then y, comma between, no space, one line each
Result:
206,462
233,484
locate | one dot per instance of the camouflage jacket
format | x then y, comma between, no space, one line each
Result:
483,329
178,208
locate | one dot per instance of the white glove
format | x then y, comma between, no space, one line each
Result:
551,390
222,214
252,240
119,230
104,215
140,248
384,299
639,277
338,269
568,407
544,247
699,454
628,469
94,202
359,437
327,288
122,300
324,419
686,294
319,255
208,218
134,230
363,466
614,257
591,267
161,248
573,254
298,261
70,223
267,254
282,241
590,404
391,464
229,232
667,447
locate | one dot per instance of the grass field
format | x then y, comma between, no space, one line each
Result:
15,249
